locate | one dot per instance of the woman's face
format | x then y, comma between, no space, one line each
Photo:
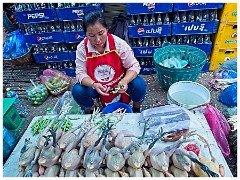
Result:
97,35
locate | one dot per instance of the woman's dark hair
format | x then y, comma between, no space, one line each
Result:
91,17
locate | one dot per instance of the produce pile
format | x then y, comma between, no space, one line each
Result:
37,94
55,81
43,122
96,149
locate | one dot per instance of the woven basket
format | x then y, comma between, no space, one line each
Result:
167,76
24,59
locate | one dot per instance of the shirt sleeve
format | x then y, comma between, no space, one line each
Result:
81,62
126,54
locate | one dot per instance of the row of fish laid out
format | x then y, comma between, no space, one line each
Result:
92,150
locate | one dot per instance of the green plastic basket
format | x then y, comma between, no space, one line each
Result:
167,76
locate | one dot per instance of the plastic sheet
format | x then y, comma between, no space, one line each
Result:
169,117
174,63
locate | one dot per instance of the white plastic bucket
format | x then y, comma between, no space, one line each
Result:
188,94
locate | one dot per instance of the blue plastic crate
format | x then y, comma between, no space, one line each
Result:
196,6
72,55
207,27
76,36
69,71
51,57
207,48
144,51
147,70
35,16
149,31
68,14
206,67
146,8
45,38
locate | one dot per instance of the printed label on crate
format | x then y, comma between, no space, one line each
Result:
143,51
196,6
148,31
76,36
52,57
45,38
144,8
234,13
195,27
42,15
75,12
233,40
146,70
150,6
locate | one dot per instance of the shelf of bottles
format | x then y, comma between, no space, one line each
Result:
70,16
52,29
194,24
149,27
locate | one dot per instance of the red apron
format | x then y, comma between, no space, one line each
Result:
107,69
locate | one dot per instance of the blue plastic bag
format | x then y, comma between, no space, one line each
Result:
230,64
15,45
229,95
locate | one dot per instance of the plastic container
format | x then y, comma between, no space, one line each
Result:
226,36
18,104
11,118
228,14
114,106
167,76
11,93
219,56
9,142
188,94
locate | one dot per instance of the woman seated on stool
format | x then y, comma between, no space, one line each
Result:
106,67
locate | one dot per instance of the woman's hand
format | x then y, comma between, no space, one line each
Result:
122,86
101,89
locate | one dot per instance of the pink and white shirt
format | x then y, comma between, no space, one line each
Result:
126,54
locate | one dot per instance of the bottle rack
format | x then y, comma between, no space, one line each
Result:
195,24
70,15
52,28
149,27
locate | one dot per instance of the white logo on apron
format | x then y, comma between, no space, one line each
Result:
104,73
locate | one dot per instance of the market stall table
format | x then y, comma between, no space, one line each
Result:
130,122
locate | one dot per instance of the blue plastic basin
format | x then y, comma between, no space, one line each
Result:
114,106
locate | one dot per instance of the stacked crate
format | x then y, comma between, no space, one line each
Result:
149,27
225,42
43,31
70,16
194,24
54,30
